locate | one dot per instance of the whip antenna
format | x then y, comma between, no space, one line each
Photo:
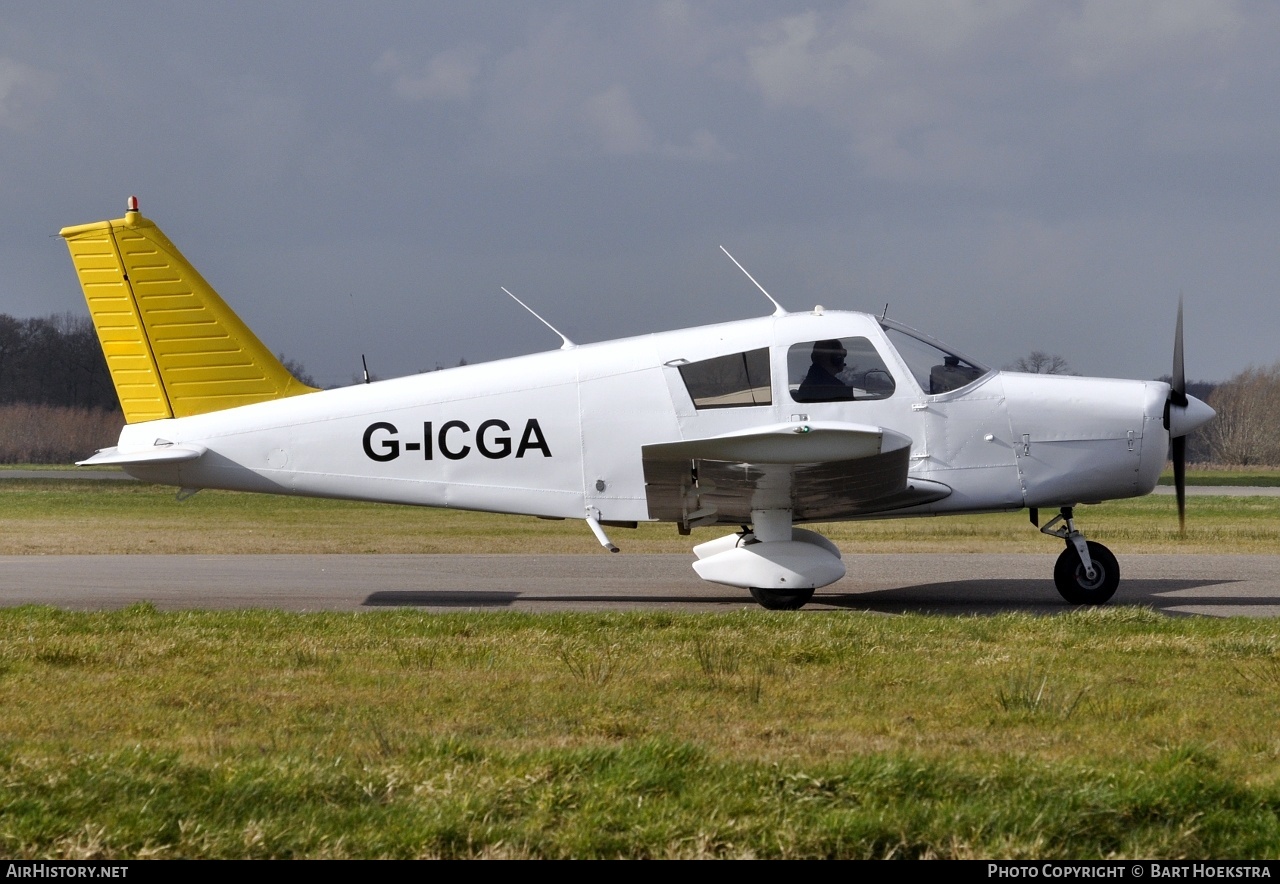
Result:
779,311
364,365
567,345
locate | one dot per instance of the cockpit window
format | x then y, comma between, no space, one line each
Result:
936,370
837,370
729,381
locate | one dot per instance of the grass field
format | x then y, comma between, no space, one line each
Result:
56,516
1099,733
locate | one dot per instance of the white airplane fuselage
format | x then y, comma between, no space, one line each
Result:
758,424
560,433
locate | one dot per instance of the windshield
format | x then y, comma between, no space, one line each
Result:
935,368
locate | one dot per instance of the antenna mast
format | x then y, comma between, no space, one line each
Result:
567,345
779,311
364,365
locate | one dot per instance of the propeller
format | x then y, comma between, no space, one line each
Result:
1182,414
1178,397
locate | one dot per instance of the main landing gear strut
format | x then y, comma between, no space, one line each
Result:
1086,572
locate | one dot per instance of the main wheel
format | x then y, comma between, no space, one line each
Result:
1074,584
782,599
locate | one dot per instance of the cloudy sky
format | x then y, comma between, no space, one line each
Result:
1007,176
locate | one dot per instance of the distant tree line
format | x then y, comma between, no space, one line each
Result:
57,403
1246,431
53,360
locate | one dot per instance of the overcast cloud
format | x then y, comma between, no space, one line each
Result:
1006,175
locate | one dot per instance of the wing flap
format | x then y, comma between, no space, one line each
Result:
820,471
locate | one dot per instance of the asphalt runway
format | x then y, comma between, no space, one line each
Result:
1218,586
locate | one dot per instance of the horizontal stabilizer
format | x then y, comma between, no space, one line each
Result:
156,455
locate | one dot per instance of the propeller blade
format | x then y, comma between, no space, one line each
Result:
1180,480
1178,385
1178,397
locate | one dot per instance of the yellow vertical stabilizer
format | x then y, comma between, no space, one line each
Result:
174,348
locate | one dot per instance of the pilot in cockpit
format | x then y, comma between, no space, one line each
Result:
951,375
822,383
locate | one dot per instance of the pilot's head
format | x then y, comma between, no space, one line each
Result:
829,355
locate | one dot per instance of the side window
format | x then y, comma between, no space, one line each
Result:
729,381
837,370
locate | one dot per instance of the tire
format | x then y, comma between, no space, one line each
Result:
1078,589
781,599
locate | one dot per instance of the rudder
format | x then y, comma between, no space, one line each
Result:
172,345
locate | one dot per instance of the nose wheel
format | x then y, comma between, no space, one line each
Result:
1073,580
1086,572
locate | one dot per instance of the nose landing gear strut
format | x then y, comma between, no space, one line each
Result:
1086,572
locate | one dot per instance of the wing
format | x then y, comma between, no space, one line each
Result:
820,471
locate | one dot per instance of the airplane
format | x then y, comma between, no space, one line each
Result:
761,425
